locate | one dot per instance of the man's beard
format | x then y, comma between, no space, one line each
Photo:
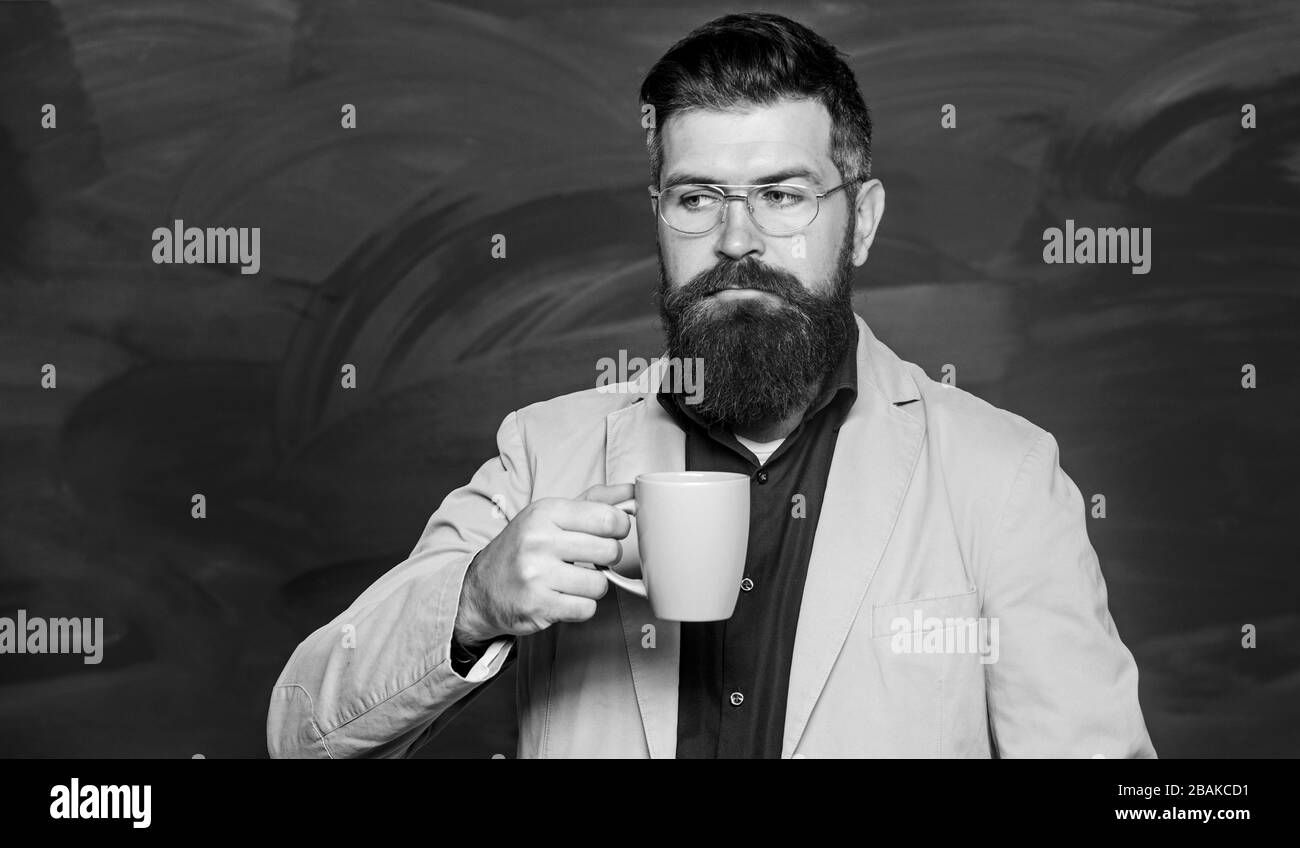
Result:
762,359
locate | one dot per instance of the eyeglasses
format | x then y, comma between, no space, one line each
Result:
777,209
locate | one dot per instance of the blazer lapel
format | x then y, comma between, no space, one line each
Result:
641,438
875,455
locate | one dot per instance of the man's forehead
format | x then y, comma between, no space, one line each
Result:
749,142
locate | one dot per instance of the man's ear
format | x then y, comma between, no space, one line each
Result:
868,209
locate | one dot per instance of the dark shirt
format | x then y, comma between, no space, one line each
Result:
735,674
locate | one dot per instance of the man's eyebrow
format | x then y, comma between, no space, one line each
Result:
676,179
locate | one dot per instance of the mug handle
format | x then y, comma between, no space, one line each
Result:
629,584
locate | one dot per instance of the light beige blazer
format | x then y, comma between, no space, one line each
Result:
938,506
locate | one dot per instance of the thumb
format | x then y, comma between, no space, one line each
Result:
609,494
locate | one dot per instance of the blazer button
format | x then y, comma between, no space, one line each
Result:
746,585
737,699
761,476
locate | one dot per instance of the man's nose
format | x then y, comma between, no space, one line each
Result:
739,236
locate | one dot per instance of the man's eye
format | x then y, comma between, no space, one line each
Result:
698,200
778,197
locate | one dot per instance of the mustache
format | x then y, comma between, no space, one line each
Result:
747,273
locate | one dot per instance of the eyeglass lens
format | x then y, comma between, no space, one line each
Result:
776,209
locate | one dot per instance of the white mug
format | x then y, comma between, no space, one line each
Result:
693,535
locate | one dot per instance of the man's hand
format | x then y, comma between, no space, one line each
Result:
525,580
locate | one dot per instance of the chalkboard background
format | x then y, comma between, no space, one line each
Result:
521,119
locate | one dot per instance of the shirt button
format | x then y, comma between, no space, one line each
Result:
737,699
761,477
746,585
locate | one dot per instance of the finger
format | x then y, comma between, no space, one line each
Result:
609,494
572,607
578,582
584,547
598,519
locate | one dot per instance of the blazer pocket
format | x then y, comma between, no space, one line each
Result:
952,610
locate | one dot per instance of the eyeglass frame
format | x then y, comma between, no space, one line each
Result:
656,193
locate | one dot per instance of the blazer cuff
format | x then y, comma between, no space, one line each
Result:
491,658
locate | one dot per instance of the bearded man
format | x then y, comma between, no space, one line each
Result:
877,496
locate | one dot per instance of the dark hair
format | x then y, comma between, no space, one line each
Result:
758,58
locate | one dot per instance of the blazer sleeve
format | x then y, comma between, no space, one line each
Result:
378,680
1063,684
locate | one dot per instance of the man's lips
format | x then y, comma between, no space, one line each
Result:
735,293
